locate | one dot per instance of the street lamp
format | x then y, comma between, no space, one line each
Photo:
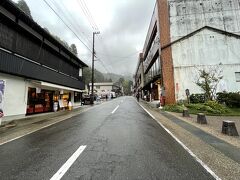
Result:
93,55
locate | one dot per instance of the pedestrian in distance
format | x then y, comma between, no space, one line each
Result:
137,97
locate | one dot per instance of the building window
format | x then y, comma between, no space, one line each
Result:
80,72
39,101
237,74
77,97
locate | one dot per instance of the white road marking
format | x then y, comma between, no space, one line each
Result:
115,109
184,146
25,134
43,127
59,174
18,137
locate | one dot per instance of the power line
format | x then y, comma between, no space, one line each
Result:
66,25
103,65
90,19
85,13
71,19
120,57
88,14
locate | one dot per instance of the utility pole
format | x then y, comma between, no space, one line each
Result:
93,55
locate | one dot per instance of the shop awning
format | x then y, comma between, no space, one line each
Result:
55,86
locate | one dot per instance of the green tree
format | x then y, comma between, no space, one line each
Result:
21,4
120,81
208,79
64,43
127,84
109,80
98,76
73,48
87,75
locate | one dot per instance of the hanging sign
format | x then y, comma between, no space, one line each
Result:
38,90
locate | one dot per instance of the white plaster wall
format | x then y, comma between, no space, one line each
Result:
105,88
204,49
186,77
15,97
188,16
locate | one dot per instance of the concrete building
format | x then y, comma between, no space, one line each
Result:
104,88
191,35
139,77
37,73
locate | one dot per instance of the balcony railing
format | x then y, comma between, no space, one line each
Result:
152,52
12,64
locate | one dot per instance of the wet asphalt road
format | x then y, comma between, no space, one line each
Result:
126,144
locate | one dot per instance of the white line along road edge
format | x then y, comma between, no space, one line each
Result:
59,174
115,109
185,147
40,128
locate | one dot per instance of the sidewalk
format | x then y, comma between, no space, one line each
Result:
214,126
21,127
18,128
214,150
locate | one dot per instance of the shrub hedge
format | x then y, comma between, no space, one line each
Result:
197,98
230,99
174,108
210,107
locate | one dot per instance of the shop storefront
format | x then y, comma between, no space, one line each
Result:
65,98
39,101
45,97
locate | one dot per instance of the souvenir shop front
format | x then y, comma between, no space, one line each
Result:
46,97
39,100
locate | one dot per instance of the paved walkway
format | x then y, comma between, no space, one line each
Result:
210,133
224,147
222,157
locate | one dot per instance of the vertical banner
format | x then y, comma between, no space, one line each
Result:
2,88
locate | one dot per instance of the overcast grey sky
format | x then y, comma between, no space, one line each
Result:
123,25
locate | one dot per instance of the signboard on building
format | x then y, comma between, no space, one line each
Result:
2,88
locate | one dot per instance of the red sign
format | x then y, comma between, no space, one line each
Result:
177,87
1,114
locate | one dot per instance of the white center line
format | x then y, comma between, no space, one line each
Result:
115,109
58,175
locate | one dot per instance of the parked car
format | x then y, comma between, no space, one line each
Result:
113,94
86,100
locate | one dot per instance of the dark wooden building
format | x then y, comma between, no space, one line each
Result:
32,59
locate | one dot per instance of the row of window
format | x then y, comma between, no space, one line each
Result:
19,43
155,39
154,70
152,52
